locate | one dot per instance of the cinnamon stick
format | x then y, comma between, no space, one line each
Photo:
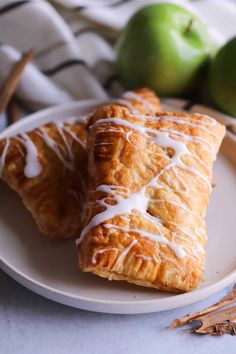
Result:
14,110
215,318
219,329
226,300
231,128
12,80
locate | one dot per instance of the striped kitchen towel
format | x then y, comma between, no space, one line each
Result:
74,42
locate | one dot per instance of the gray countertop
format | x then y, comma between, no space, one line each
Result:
32,324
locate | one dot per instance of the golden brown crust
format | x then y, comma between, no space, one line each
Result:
143,100
121,247
55,196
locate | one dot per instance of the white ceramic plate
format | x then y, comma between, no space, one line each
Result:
50,269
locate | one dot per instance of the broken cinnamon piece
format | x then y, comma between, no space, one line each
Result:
219,329
12,80
215,318
228,299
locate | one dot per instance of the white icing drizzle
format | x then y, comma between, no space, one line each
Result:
201,125
179,205
3,156
60,128
130,95
179,120
177,176
189,121
103,144
195,139
147,258
75,137
33,168
163,139
178,250
125,252
210,120
135,201
183,230
128,105
55,147
122,255
94,261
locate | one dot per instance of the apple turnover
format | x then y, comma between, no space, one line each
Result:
149,186
46,168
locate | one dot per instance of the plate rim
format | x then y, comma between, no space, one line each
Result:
100,305
115,306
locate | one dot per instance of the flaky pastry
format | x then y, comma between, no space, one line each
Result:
149,186
46,168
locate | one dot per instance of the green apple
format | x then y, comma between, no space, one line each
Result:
164,47
222,78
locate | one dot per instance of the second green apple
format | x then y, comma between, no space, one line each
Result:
164,47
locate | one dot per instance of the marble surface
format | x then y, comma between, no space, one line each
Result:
32,324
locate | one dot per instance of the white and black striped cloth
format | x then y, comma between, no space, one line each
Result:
74,42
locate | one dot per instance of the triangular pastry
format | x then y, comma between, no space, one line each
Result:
46,168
